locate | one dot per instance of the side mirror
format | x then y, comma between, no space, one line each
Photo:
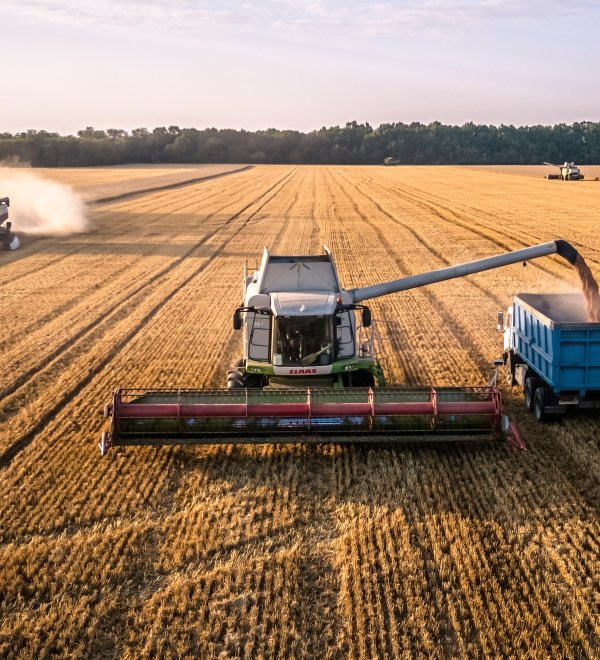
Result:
366,317
237,319
500,322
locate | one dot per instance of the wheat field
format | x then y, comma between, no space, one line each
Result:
287,551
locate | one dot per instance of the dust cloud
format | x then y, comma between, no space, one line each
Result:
40,206
590,289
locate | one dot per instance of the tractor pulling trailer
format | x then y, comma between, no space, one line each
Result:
310,370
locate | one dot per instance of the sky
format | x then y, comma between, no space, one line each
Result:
68,64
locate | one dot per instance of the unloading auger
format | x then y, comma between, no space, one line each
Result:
310,370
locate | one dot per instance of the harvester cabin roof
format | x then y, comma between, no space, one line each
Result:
297,273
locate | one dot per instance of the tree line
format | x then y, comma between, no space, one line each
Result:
354,143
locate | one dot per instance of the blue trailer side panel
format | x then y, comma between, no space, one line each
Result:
551,334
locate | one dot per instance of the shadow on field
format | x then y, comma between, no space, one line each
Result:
475,480
370,475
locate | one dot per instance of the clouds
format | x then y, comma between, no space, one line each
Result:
182,14
391,17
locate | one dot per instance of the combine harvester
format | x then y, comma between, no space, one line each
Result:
8,240
310,371
567,172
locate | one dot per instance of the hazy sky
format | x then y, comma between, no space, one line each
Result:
67,64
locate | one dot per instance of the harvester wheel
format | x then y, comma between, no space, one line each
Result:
510,369
235,380
539,405
359,378
531,385
253,381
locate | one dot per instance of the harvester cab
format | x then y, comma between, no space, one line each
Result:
300,328
310,371
8,240
567,172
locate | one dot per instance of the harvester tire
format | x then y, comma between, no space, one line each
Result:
254,381
235,378
539,405
359,378
531,385
239,379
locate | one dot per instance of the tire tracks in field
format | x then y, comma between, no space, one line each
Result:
220,370
490,225
67,305
338,235
491,537
453,325
93,323
423,241
474,226
105,202
19,444
167,186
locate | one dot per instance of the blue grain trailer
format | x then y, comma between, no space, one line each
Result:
553,352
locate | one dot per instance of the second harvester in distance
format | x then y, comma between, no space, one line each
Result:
8,240
567,172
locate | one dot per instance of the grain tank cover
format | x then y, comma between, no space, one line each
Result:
298,273
303,304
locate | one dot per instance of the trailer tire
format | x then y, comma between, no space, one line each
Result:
531,385
510,365
539,405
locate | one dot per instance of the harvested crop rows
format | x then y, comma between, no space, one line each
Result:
327,551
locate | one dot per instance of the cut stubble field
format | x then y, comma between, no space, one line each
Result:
276,551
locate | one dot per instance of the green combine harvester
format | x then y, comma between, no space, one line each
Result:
310,370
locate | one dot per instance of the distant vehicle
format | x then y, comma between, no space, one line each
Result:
568,172
391,160
8,240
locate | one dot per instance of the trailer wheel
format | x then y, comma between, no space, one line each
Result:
531,385
539,405
510,369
